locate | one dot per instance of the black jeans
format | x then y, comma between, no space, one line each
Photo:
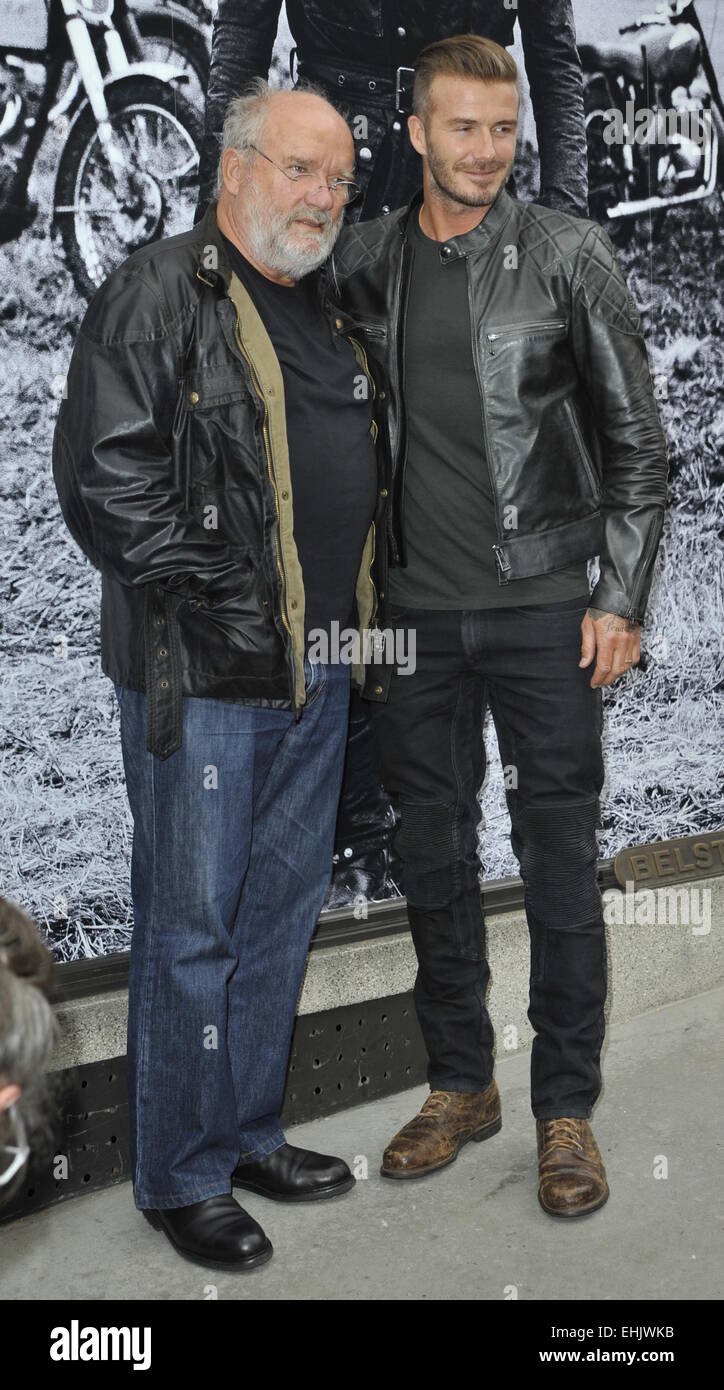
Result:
522,663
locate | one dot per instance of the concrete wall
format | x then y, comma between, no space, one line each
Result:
649,965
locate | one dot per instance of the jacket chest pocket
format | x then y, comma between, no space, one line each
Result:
360,16
501,336
201,391
215,432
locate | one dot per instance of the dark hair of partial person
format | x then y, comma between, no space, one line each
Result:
460,55
28,1034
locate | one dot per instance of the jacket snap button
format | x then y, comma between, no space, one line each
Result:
339,323
162,651
164,685
383,492
378,690
193,397
293,603
285,496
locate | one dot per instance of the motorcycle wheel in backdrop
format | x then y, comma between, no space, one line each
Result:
101,219
166,39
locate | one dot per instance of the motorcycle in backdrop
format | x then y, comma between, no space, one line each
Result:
171,31
659,84
90,71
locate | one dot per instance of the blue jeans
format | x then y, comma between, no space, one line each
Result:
232,858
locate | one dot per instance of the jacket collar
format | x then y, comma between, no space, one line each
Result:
208,235
472,242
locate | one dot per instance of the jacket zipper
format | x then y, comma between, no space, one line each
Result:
631,611
373,615
581,445
366,366
375,330
399,364
503,563
520,328
267,446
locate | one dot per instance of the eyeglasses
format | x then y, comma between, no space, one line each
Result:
345,189
8,1168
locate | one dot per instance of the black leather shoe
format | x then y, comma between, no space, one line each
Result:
294,1175
216,1232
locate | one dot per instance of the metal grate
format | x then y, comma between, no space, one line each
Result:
339,1058
351,1055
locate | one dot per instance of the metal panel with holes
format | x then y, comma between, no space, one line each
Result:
339,1058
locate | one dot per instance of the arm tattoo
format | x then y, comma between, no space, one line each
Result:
617,623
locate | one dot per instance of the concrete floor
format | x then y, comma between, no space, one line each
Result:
470,1231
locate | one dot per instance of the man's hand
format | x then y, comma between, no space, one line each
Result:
614,640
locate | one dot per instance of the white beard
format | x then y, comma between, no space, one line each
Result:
274,245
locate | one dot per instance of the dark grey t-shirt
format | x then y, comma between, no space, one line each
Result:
331,453
449,510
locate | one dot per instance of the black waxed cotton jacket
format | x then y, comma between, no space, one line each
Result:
171,464
572,435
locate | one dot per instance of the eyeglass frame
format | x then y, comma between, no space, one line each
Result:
21,1151
294,178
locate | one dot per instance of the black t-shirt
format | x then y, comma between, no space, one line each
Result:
331,452
449,511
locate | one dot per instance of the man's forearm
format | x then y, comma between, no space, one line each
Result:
242,42
556,87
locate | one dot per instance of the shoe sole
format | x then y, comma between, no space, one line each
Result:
262,1256
336,1191
485,1132
577,1211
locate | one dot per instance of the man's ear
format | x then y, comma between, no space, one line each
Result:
234,168
417,134
8,1095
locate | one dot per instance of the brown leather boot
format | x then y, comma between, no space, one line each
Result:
571,1175
447,1120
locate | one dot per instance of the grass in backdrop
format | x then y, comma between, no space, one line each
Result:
65,826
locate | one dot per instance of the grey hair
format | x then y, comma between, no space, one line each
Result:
245,117
28,1034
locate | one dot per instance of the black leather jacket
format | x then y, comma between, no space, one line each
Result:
576,449
376,37
171,465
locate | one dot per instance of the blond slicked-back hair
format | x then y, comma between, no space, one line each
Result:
461,55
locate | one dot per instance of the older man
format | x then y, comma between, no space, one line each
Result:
214,458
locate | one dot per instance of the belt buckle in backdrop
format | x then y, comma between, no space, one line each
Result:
403,89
